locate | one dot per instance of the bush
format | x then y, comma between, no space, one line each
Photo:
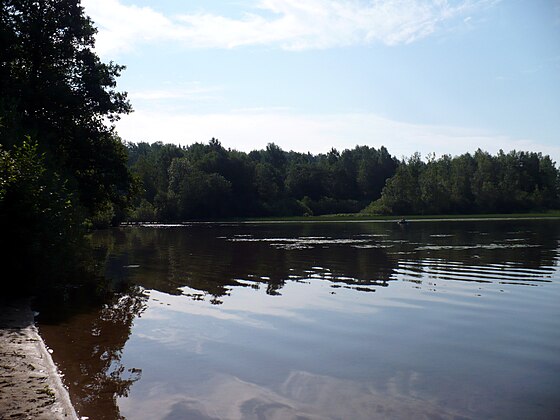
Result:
144,212
38,218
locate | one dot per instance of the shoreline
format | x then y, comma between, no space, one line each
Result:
352,219
30,385
360,217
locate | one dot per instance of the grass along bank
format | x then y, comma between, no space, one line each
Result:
355,217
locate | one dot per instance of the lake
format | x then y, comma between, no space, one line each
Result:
448,319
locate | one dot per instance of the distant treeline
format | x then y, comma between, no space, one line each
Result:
478,183
208,181
205,181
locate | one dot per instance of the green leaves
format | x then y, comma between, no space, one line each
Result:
479,183
207,181
38,215
55,88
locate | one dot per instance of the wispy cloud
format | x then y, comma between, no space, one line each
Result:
286,24
193,92
121,27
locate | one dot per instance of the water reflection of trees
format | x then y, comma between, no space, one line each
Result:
88,348
213,258
210,259
531,244
520,252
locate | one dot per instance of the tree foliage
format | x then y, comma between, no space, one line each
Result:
204,181
207,181
37,216
479,183
62,165
54,88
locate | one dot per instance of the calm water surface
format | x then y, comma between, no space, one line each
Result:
321,321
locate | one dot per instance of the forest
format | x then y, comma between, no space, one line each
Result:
207,181
471,184
203,181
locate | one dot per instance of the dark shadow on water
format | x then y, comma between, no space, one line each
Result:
87,324
88,345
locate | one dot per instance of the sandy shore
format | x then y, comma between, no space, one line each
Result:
30,386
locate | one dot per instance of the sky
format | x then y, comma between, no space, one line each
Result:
428,76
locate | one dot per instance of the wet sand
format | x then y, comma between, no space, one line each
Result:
30,386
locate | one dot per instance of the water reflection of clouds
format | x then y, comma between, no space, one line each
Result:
250,306
176,321
306,292
163,307
301,395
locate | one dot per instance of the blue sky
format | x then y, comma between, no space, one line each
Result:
413,75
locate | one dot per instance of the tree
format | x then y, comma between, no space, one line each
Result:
38,218
462,173
54,88
198,194
268,182
374,168
402,193
63,166
435,185
512,182
306,181
275,156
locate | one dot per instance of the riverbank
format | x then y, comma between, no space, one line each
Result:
361,217
30,386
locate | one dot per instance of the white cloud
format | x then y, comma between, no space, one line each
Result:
253,129
193,92
121,27
288,24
